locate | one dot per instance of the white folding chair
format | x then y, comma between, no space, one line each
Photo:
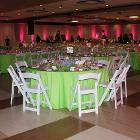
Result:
21,66
80,90
124,64
20,56
39,91
16,82
116,62
127,58
109,87
118,84
34,57
113,87
124,80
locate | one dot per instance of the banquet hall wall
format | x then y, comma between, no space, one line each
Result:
18,31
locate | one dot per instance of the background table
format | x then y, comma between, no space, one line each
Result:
135,60
5,61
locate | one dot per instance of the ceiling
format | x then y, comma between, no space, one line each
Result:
64,11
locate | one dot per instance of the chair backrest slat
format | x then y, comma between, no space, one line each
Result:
86,76
20,64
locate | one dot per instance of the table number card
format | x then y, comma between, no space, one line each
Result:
69,49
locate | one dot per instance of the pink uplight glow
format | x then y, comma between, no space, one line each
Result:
133,30
32,37
80,31
117,29
93,31
44,33
97,36
67,32
21,31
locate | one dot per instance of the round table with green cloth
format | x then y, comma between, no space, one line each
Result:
60,85
134,60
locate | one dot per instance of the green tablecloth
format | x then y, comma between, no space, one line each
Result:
135,60
60,85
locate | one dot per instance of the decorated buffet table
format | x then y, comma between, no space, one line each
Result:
97,52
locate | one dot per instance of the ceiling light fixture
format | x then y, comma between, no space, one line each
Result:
76,9
53,12
133,16
60,6
74,21
106,5
40,5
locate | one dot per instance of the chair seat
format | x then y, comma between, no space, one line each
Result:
104,84
34,89
20,83
87,90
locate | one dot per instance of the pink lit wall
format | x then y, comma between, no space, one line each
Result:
22,29
67,32
133,30
117,30
32,37
45,33
93,31
80,31
17,32
7,29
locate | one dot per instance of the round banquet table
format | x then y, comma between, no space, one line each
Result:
61,84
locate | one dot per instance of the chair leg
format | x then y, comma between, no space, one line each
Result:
121,92
115,98
24,104
47,100
79,105
18,91
12,94
125,88
102,99
72,101
38,104
96,103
